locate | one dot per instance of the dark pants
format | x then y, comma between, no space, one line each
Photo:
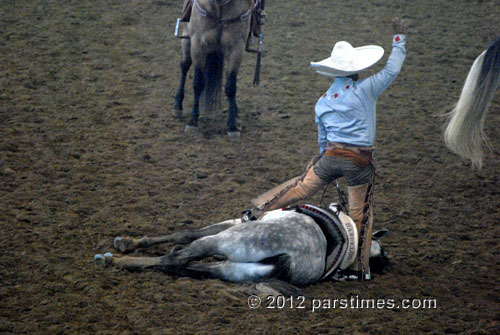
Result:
329,168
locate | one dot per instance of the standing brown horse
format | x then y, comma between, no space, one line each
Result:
218,31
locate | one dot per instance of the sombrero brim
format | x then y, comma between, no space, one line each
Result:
364,58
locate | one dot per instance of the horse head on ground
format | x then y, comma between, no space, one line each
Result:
378,254
217,33
300,245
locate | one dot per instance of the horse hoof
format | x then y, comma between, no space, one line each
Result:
117,241
123,244
103,261
99,261
234,134
191,129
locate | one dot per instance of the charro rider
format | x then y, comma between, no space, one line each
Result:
345,116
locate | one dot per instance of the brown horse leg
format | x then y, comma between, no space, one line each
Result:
185,65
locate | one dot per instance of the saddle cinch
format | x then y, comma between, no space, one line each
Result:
255,20
340,233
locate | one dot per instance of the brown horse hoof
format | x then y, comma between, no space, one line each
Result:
234,135
191,129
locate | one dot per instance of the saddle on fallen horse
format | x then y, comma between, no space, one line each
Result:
340,233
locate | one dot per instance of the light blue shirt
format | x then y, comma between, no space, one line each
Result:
346,113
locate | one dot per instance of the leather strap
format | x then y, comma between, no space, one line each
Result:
242,17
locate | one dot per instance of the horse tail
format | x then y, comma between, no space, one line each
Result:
213,81
464,133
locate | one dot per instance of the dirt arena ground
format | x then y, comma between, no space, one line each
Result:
89,151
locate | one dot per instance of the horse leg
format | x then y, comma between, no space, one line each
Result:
176,262
196,250
199,51
241,271
185,65
229,271
198,85
127,244
131,263
232,112
237,244
234,61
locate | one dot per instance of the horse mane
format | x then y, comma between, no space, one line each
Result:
464,133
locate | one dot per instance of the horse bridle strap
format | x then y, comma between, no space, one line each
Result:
240,18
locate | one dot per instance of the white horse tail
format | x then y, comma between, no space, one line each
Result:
464,133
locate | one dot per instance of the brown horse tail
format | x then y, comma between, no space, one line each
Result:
213,81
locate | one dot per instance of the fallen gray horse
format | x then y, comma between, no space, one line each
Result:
299,245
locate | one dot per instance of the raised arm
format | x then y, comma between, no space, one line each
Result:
380,81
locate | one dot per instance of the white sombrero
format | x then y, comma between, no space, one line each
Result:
346,60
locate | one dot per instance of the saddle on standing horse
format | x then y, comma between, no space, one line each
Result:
256,19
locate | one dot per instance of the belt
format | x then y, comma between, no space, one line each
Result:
333,145
361,156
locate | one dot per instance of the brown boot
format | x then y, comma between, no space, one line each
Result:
361,211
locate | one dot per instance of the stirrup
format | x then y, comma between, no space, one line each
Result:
251,214
351,275
177,26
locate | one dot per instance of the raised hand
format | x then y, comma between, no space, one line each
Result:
399,26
